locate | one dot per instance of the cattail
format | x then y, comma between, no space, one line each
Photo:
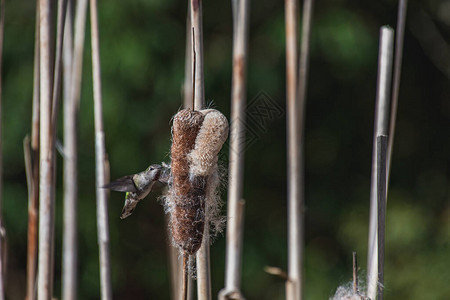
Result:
186,198
212,135
197,140
203,162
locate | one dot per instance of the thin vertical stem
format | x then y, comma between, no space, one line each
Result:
33,195
382,142
380,128
178,271
199,80
400,30
46,190
230,292
296,122
2,229
291,23
70,245
60,19
187,85
175,268
355,274
185,284
203,268
235,209
203,264
100,159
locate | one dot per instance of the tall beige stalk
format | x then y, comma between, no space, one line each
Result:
100,161
175,261
203,263
381,127
401,20
70,245
33,193
291,19
296,103
46,186
235,210
199,79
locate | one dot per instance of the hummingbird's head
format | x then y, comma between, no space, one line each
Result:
153,171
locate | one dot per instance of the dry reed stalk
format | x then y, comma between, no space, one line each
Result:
291,19
197,54
175,268
100,161
203,264
2,228
46,184
400,30
235,209
187,85
60,20
177,265
381,127
296,122
70,245
382,141
355,274
33,192
71,108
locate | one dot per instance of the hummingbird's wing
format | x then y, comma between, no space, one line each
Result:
124,184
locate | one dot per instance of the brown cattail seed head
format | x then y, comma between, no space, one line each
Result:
186,125
187,197
197,140
188,217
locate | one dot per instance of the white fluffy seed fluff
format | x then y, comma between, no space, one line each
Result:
209,141
346,292
203,162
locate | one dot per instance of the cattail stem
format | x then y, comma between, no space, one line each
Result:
175,268
185,277
380,128
382,142
70,247
71,108
187,85
355,274
235,208
199,80
33,193
46,190
291,19
203,265
178,271
296,104
60,20
400,30
100,160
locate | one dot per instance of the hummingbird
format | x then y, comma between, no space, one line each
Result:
138,186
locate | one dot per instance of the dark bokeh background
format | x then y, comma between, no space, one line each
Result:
142,53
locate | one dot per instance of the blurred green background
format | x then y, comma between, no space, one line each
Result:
142,53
